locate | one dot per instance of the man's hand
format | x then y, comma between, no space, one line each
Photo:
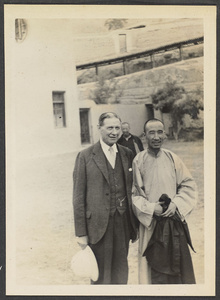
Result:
170,210
82,241
158,209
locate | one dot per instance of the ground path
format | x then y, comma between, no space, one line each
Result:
45,239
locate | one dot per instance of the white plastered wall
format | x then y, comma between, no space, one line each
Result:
42,63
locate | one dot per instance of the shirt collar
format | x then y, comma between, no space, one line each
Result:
106,147
127,138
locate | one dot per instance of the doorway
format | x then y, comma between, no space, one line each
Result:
122,43
150,111
84,126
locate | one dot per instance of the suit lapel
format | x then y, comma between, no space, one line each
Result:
100,160
126,166
124,160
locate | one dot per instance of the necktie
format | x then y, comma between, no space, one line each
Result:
112,157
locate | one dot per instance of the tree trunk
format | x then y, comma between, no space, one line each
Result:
176,130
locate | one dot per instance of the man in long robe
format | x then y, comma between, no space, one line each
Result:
158,171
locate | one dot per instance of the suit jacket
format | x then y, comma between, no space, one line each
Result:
91,195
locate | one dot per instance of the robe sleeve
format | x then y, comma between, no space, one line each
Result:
143,209
186,191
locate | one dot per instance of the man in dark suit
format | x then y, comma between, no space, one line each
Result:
129,140
103,216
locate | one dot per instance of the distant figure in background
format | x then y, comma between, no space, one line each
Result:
129,140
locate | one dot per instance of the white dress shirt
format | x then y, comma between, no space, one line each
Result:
107,153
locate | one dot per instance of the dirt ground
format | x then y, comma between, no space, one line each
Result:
45,241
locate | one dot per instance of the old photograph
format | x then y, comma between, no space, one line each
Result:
110,150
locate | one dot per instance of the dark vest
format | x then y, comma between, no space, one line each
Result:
117,187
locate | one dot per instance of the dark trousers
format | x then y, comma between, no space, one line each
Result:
112,250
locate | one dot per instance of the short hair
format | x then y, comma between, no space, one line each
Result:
107,115
151,120
124,123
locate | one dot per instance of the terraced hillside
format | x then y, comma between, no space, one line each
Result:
138,87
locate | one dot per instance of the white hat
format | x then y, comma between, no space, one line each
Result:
84,264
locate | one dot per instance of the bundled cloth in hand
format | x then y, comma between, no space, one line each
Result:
167,252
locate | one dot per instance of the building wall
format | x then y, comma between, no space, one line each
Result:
93,47
156,33
167,32
42,63
137,89
135,114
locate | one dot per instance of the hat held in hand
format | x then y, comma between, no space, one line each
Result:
84,264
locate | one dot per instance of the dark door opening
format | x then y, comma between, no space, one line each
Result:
150,111
84,126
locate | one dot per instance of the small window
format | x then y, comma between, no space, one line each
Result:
20,30
59,109
122,43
